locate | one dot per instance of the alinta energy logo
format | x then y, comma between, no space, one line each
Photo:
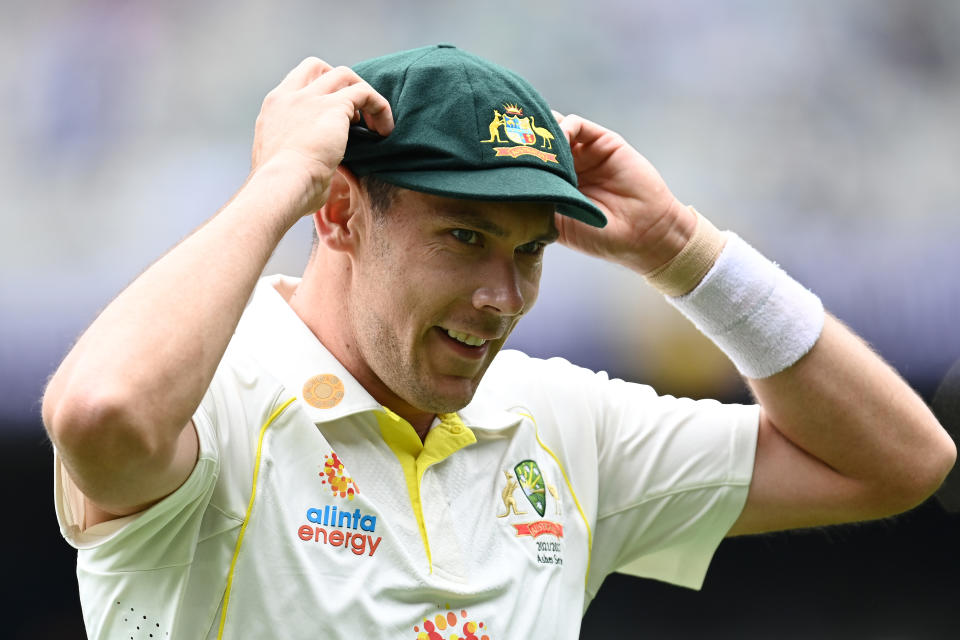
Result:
334,475
344,529
340,528
433,629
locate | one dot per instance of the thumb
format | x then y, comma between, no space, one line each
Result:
559,117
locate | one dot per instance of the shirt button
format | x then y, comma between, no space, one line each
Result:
456,429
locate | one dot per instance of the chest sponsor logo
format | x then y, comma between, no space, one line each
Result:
354,530
335,476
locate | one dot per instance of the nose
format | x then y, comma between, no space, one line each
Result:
500,290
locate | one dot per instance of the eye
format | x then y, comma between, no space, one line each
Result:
466,236
532,248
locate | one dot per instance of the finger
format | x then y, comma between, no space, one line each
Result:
376,110
580,130
557,115
568,125
303,74
332,80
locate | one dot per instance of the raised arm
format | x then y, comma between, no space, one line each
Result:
119,407
842,437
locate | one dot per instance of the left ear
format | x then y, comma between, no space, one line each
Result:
337,220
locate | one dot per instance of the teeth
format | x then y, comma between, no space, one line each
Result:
465,338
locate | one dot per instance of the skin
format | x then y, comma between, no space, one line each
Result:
429,265
841,436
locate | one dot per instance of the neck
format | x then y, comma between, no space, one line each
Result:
311,301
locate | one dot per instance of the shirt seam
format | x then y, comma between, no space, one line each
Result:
225,514
667,494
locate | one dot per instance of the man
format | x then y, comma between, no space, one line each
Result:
347,454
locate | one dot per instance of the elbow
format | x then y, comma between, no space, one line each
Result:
94,424
926,473
939,463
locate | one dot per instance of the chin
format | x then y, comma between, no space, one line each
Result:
446,399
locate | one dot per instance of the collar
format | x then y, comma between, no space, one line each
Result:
281,343
484,416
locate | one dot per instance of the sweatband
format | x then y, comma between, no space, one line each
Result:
763,319
686,269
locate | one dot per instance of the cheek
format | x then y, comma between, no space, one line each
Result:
531,289
401,302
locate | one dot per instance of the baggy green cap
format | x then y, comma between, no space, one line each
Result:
467,128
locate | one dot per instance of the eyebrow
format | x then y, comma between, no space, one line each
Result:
481,223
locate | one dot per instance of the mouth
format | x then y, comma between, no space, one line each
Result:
465,345
465,338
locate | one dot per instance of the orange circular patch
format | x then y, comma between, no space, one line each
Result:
323,391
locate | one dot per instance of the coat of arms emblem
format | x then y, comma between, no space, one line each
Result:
518,127
523,132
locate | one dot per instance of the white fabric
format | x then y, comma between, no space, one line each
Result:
658,480
763,319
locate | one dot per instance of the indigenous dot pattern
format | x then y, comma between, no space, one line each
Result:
433,629
137,625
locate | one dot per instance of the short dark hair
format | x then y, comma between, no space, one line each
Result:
380,193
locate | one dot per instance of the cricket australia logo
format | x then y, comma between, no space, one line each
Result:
527,477
523,131
531,481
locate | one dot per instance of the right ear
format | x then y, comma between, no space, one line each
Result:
336,221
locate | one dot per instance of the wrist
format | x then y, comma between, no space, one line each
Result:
663,240
684,270
761,318
285,189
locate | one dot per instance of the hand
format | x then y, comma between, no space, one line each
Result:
303,126
646,224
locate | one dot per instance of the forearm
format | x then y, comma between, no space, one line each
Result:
146,361
834,417
842,437
843,405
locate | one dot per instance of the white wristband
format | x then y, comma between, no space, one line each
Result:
763,319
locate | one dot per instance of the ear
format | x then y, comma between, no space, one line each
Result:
336,222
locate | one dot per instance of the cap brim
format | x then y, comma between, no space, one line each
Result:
521,184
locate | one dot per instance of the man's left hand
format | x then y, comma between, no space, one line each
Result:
646,224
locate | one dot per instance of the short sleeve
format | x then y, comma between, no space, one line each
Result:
673,478
159,527
660,480
148,561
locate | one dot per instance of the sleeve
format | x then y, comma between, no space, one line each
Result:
147,561
142,561
673,478
135,540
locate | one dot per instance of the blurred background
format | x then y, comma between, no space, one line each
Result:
825,133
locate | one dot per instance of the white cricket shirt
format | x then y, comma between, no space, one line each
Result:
314,512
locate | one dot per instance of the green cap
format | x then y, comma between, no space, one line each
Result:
467,128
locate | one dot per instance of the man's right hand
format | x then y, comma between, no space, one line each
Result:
304,122
119,408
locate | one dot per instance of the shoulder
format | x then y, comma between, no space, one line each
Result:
564,400
241,385
557,381
515,367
